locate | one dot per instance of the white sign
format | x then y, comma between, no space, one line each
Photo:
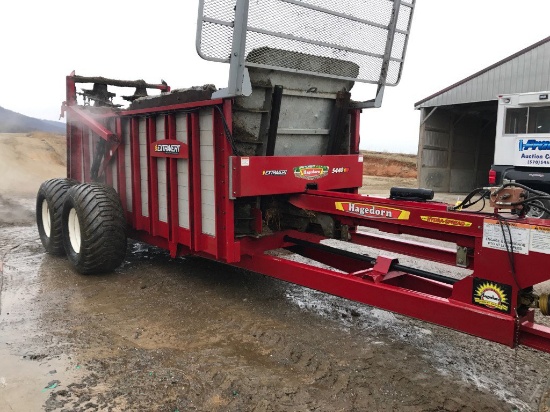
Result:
540,239
494,236
532,150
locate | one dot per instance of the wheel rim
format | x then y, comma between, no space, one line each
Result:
74,230
534,210
46,219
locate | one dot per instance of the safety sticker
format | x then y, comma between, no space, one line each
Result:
445,221
507,236
362,209
540,239
492,295
245,161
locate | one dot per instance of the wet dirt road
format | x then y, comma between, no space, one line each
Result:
193,335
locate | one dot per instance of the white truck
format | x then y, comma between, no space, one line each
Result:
522,145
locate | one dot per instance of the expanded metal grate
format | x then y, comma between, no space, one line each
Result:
349,37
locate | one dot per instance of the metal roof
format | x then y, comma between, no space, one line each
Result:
525,71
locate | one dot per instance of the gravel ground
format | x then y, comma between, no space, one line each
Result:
165,334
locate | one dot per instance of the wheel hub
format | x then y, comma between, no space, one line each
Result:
74,231
46,219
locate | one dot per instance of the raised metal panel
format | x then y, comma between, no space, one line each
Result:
114,172
306,109
291,145
162,190
91,139
127,162
205,120
207,153
161,172
183,174
208,208
159,127
183,195
144,167
181,127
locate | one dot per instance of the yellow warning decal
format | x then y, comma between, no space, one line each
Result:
376,211
540,239
445,221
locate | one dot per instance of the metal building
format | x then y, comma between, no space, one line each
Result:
457,124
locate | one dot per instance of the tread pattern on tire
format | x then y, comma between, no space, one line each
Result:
102,226
544,215
54,192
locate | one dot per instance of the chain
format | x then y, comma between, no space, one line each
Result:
516,349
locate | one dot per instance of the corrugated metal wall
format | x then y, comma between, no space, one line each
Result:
528,72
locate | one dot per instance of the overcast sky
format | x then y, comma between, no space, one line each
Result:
43,41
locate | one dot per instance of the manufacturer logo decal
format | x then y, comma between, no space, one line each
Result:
167,148
311,172
534,144
492,295
339,170
362,209
445,221
274,172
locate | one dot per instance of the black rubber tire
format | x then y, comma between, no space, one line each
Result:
102,228
52,191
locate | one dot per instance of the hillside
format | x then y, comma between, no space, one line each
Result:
12,122
389,164
382,170
27,159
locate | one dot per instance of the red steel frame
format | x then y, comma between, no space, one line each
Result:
375,284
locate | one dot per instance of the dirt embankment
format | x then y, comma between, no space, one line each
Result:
389,164
382,170
27,159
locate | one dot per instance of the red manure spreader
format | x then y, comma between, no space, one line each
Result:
272,163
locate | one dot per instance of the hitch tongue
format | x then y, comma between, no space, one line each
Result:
528,299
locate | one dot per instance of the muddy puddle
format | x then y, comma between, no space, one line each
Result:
165,334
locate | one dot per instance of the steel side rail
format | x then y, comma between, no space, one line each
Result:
535,336
450,313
